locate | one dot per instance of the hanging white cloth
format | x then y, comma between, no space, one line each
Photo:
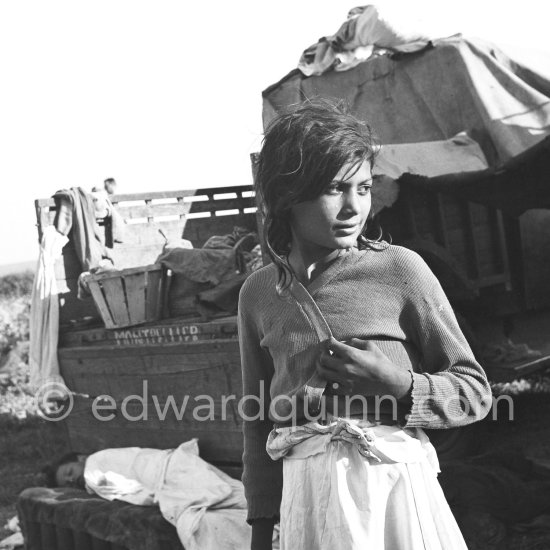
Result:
44,319
352,485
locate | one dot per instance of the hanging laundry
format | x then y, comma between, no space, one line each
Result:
44,320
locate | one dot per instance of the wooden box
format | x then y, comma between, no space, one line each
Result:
128,297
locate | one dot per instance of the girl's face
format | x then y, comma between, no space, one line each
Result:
70,474
335,219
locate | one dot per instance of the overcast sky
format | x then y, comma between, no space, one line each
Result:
164,94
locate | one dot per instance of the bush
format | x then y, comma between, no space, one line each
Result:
15,305
16,285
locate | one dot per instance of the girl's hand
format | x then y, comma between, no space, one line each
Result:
362,369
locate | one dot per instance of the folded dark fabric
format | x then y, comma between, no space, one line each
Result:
207,280
76,215
202,265
129,526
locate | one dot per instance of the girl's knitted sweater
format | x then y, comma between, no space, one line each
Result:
386,295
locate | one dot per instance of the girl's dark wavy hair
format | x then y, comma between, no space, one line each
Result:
50,470
302,151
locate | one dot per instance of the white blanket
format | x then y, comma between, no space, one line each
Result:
44,320
206,506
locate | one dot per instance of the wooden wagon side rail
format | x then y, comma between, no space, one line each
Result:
191,214
161,205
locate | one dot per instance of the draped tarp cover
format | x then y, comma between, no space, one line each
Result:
431,158
458,85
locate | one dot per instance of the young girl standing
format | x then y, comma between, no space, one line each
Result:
349,348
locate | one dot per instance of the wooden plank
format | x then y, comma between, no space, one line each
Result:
98,544
158,389
134,256
102,306
471,238
440,223
45,208
153,195
41,220
48,536
219,441
145,360
45,202
135,290
65,540
185,206
32,530
166,349
146,234
187,413
502,372
223,204
82,541
170,330
163,372
118,273
490,280
153,294
503,250
151,211
85,376
115,296
409,216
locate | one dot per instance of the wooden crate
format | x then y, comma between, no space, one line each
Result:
128,297
192,214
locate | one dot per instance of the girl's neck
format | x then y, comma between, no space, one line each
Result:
307,269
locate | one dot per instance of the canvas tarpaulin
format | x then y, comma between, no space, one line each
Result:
458,85
431,158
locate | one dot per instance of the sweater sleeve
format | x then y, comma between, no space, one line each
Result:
262,476
452,389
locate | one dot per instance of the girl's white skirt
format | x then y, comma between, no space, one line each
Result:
349,484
